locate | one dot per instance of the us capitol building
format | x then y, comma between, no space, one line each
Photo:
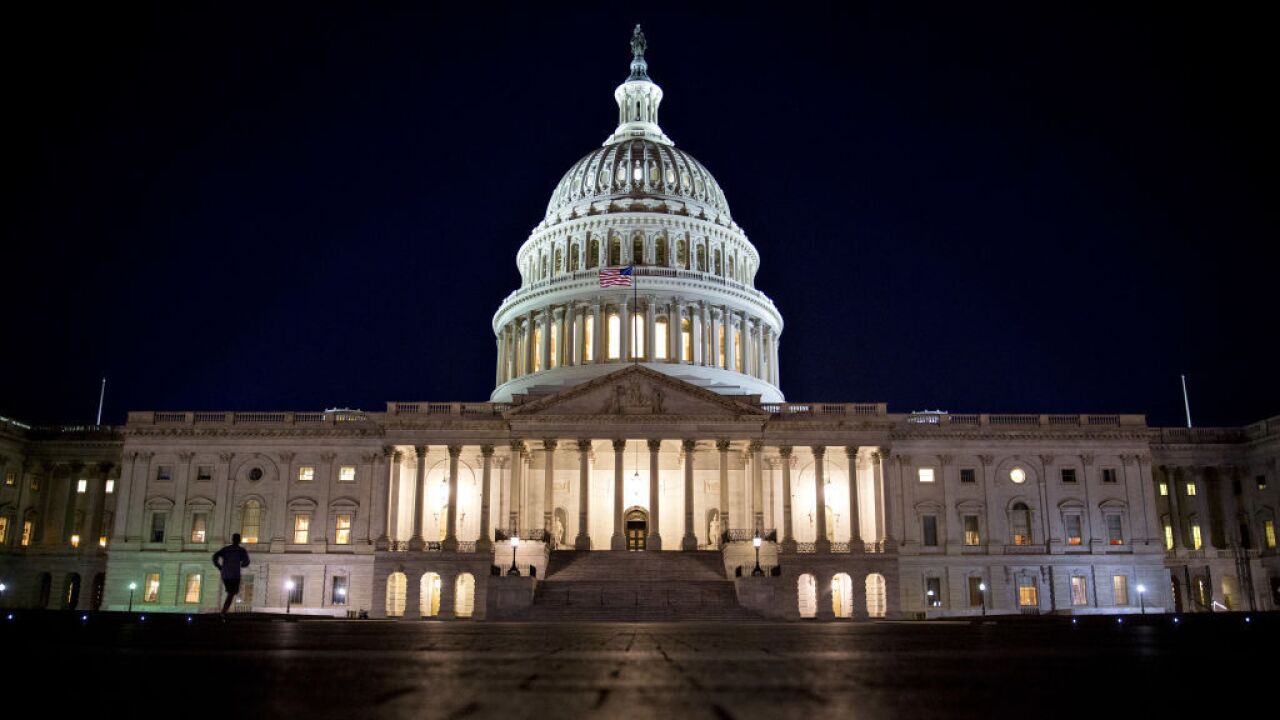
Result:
637,459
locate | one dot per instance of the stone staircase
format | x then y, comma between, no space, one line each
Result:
636,586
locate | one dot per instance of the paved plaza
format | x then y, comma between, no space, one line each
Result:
253,667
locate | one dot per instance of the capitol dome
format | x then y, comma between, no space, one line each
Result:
640,204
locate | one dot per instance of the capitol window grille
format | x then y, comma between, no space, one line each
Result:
199,522
1028,592
1020,524
972,536
930,530
1069,475
301,528
1115,530
1079,590
1074,527
192,595
968,476
251,522
342,530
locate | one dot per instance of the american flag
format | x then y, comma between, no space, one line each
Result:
615,277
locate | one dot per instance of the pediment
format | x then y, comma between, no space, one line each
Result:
637,391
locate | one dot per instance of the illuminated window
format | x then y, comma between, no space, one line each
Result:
588,338
151,588
340,590
102,541
637,251
301,526
10,478
720,345
686,339
925,475
295,594
164,473
933,592
1020,524
1191,489
615,336
75,540
1018,475
968,476
1079,590
1068,475
251,522
347,473
82,486
199,521
1262,482
553,357
4,528
537,348
306,473
660,339
1164,489
111,486
158,521
1120,588
1115,535
342,536
1073,524
1168,536
1110,476
1269,530
929,530
1028,593
204,473
637,335
1195,537
975,591
193,588
971,534
27,529
737,350
35,483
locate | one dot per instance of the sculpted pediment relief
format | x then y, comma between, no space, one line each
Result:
636,391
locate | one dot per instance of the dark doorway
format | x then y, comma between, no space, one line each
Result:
637,529
71,593
1177,595
46,588
99,587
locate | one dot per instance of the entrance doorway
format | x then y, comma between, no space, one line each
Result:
637,522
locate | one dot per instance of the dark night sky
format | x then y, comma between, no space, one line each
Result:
973,208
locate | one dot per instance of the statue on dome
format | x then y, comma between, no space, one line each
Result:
638,43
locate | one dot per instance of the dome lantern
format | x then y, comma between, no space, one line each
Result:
638,99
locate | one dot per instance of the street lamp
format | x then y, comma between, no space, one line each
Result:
757,572
132,586
1142,597
515,543
982,592
288,598
929,594
3,587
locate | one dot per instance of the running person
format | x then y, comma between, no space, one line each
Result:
229,560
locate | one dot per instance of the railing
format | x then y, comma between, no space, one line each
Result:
247,418
1199,435
748,535
825,409
840,547
1022,420
806,548
466,546
449,408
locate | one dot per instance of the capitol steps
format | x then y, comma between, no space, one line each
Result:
636,586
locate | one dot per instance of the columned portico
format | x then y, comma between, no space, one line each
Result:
485,542
654,540
583,540
618,541
820,542
856,545
690,541
548,484
451,533
419,488
722,446
788,535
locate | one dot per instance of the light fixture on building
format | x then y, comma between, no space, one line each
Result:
757,572
288,598
132,586
982,592
1142,597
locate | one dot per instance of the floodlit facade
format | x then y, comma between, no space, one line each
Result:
637,459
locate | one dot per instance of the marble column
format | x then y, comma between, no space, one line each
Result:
97,499
695,328
568,334
716,329
690,540
485,543
730,347
583,540
788,535
619,540
757,485
383,498
675,319
517,450
624,328
651,321
760,367
597,333
548,485
654,539
419,488
885,488
820,542
451,532
856,544
723,447
529,345
544,347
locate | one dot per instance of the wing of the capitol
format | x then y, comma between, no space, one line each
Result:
637,459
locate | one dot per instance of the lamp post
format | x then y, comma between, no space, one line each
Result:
1142,597
757,572
982,592
929,595
288,597
515,543
3,587
132,586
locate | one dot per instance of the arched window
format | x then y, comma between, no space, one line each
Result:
660,251
637,250
429,595
537,348
877,597
593,253
660,337
615,252
574,262
250,522
682,254
396,587
588,337
559,266
686,339
1020,524
637,334
615,336
807,595
732,268
464,595
543,272
717,265
702,258
842,595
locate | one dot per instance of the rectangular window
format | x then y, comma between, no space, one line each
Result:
613,335
204,473
660,338
1168,536
306,473
1028,593
1195,537
588,338
4,528
1262,482
1079,590
1269,530
301,526
82,486
1120,586
686,339
968,476
971,534
35,483
11,478
553,359
27,530
164,473
199,521
347,473
193,589
925,475
111,486
933,592
930,530
295,593
1068,475
342,535
339,590
246,591
102,541
158,521
1110,475
1164,489
1114,534
151,588
975,591
1191,489
1074,527
75,540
